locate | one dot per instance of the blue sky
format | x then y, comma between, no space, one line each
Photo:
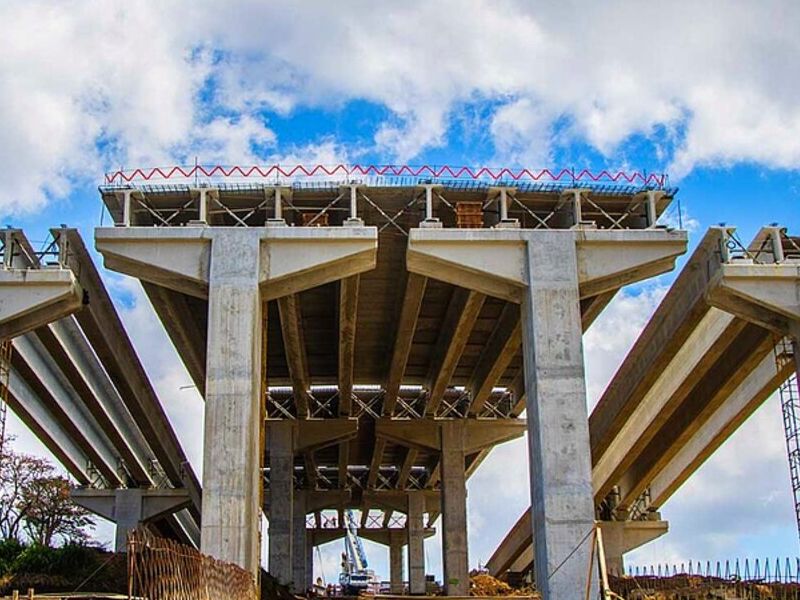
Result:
703,92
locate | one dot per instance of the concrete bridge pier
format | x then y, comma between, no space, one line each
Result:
416,543
130,508
548,272
396,578
300,544
237,269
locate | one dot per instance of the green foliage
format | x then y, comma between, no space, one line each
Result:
34,559
9,551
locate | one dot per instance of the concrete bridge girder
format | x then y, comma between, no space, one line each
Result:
751,393
30,298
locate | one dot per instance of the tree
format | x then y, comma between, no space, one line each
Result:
50,512
35,500
17,472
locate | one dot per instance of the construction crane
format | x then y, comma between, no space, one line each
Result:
790,406
355,576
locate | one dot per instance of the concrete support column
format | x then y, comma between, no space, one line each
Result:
416,543
560,463
299,544
280,437
309,563
231,458
396,542
128,515
454,510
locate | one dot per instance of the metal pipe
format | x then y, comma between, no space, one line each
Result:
503,205
278,205
650,206
126,207
353,205
428,202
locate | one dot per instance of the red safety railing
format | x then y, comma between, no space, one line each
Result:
434,171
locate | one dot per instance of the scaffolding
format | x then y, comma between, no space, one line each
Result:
790,406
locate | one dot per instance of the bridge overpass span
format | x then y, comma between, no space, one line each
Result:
77,383
713,351
373,344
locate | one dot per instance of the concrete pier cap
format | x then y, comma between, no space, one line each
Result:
30,298
494,262
292,259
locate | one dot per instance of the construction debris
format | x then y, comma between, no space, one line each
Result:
483,584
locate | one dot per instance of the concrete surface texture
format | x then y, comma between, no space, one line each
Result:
722,340
372,362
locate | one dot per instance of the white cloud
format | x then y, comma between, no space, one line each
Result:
84,86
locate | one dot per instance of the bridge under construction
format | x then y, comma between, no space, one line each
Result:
364,344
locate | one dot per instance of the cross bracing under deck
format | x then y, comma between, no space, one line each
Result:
384,326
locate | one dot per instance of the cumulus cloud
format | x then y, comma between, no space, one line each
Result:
84,86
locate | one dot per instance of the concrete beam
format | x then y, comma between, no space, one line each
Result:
517,540
405,469
103,329
425,434
295,348
383,535
130,508
462,312
679,314
765,294
708,393
176,315
31,361
760,384
375,463
30,409
292,259
497,354
348,311
493,262
71,352
673,383
406,325
315,434
31,298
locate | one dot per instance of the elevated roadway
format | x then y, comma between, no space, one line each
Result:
371,323
712,352
77,383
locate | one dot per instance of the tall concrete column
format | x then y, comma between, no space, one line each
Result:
558,430
454,510
231,461
396,561
416,543
280,437
309,563
299,549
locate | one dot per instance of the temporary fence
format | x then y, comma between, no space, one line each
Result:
160,569
778,579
